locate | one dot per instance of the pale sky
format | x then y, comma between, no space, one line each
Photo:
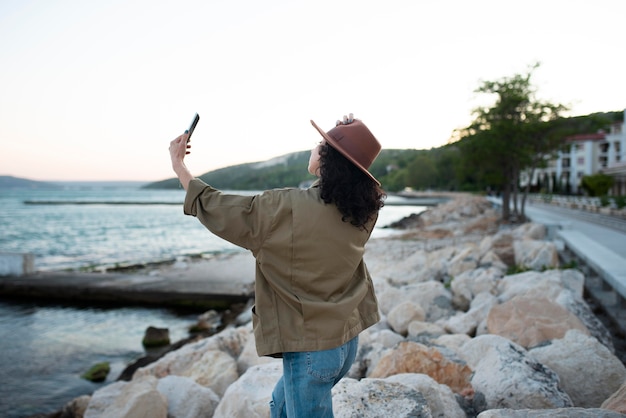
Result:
95,90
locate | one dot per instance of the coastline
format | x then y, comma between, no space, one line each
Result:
450,264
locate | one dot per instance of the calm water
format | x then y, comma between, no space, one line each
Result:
45,348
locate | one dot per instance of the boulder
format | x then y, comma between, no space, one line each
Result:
465,260
250,395
535,255
432,296
440,399
76,407
137,398
588,371
156,337
403,314
550,413
418,329
617,401
530,321
186,398
509,377
249,357
411,357
502,245
215,370
467,322
375,398
180,362
468,284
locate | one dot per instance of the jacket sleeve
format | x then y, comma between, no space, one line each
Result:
242,220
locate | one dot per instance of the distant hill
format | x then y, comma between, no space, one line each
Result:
10,182
289,170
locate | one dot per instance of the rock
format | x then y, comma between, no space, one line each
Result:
76,407
588,371
249,357
388,298
617,401
250,395
467,322
403,314
509,377
215,369
502,245
579,307
465,260
491,260
186,398
375,398
230,341
470,283
550,413
530,321
209,321
137,398
373,344
418,329
548,284
432,296
531,231
386,338
98,372
452,341
411,357
440,399
156,337
535,255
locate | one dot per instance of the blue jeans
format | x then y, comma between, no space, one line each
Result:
304,391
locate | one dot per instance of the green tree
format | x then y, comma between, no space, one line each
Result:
507,137
421,173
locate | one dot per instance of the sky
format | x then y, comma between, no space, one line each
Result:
96,90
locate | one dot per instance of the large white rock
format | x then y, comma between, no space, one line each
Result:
249,357
465,260
186,398
403,314
182,361
440,398
135,399
467,322
535,255
550,413
588,371
510,378
472,282
215,369
250,395
376,398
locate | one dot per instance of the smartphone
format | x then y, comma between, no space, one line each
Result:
194,122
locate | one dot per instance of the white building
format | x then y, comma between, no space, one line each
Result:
584,155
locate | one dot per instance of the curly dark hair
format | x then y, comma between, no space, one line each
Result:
357,196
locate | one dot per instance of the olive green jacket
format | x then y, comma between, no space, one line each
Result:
312,289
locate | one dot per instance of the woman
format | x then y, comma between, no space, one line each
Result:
313,293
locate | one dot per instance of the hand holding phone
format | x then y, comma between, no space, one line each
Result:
194,122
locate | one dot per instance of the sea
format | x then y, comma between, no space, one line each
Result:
46,347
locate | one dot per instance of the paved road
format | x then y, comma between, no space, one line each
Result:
607,231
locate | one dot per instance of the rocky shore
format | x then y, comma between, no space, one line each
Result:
479,320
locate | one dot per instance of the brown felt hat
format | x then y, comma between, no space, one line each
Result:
355,142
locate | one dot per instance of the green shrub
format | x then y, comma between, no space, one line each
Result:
604,201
